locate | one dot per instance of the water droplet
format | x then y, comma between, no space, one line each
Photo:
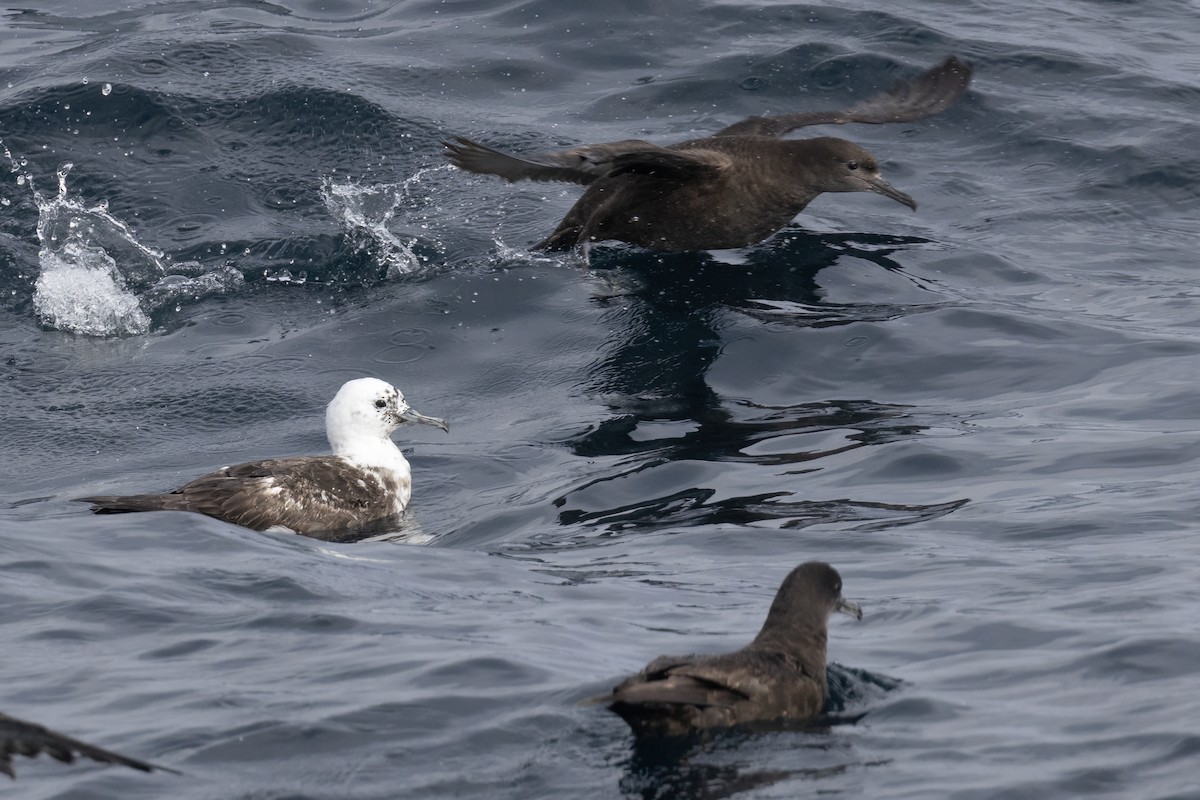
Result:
106,90
85,80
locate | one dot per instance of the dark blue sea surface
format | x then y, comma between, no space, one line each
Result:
985,414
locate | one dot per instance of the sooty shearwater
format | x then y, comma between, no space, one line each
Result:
365,480
21,738
732,189
778,676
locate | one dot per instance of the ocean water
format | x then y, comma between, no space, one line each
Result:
984,414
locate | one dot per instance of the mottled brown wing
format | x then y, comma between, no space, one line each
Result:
245,494
580,164
21,738
930,93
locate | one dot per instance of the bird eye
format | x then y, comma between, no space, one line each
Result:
851,165
380,403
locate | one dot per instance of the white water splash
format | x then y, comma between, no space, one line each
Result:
92,266
285,275
367,209
175,288
507,254
80,288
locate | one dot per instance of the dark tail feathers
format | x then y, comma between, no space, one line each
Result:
118,504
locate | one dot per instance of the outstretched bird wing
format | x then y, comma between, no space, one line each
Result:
930,93
21,738
582,164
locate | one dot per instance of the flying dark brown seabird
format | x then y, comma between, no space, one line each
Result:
732,189
778,676
365,480
21,738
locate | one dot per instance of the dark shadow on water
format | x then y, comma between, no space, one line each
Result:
729,432
675,303
658,772
402,528
663,769
688,509
671,310
735,433
784,269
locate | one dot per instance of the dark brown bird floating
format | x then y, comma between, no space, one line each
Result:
778,676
